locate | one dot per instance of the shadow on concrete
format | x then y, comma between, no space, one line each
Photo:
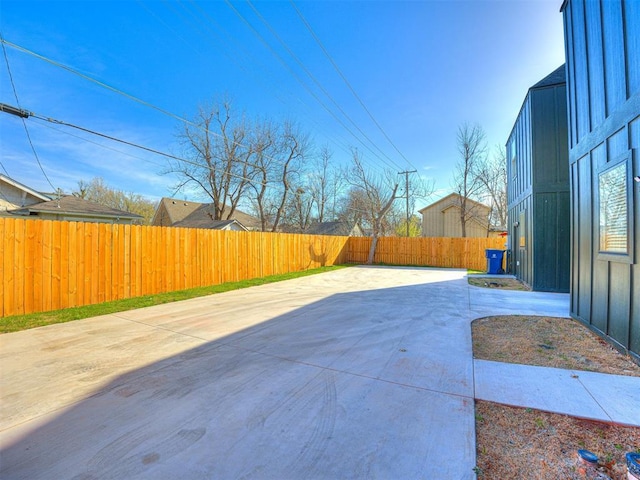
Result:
366,384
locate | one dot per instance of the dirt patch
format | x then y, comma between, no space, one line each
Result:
525,443
547,342
496,282
514,443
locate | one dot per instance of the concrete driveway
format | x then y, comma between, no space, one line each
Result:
364,372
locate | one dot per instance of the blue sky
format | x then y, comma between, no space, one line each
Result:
421,68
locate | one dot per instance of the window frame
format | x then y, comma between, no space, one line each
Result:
619,257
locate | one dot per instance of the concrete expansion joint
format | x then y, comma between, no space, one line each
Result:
576,375
160,327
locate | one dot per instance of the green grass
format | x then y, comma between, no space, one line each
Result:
385,264
16,323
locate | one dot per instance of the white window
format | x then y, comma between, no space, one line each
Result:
614,204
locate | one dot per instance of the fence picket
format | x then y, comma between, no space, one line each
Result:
47,265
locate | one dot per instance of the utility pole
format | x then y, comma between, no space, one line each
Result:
406,193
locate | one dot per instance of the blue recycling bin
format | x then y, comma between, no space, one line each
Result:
494,261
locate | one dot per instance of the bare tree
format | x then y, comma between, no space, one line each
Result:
492,174
279,151
263,144
218,150
291,148
299,210
325,185
98,191
353,208
379,193
466,183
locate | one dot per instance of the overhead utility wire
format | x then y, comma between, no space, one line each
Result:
314,79
26,114
203,16
119,92
202,23
101,145
296,76
344,78
24,124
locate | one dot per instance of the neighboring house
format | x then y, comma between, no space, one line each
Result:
442,218
15,195
538,187
602,42
339,228
172,212
195,221
76,209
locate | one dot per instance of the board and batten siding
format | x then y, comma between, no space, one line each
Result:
602,42
538,187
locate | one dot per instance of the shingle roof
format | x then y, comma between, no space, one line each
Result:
202,217
177,210
331,228
70,204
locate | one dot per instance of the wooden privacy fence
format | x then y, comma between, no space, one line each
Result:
49,265
430,251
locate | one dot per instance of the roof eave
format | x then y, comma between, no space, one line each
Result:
132,216
24,188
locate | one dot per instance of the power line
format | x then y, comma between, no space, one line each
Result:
200,16
101,145
297,77
140,101
315,80
120,92
25,114
24,124
344,78
159,109
203,16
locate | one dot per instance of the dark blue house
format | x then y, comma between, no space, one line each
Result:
602,41
538,187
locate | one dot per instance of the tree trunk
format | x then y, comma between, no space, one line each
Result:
372,249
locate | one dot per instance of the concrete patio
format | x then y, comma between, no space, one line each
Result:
365,372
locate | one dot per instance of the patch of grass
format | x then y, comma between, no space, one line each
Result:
16,323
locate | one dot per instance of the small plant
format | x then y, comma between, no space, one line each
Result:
478,471
479,417
539,422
